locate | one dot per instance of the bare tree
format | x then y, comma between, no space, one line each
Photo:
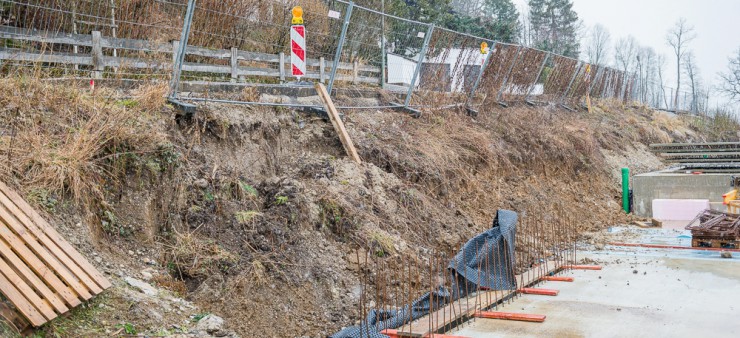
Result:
678,38
646,67
661,68
472,8
625,52
731,80
598,44
692,72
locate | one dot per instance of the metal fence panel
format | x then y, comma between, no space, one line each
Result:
106,38
246,43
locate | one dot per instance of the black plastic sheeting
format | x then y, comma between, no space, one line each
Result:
466,270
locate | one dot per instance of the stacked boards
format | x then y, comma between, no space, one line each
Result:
41,274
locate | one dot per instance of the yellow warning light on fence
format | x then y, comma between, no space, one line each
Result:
588,68
484,48
297,15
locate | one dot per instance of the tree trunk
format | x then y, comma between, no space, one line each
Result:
678,83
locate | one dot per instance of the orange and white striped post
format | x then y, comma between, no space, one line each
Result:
298,44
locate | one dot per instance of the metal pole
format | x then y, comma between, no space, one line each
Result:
338,54
382,45
422,53
539,74
113,23
177,71
506,79
572,79
483,67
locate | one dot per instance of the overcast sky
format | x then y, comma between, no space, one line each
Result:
717,24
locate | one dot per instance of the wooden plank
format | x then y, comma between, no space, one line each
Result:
41,305
18,55
20,302
37,266
14,33
55,250
43,253
337,122
466,308
54,235
55,299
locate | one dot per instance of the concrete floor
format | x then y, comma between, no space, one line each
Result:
673,294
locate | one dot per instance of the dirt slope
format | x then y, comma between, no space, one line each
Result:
253,213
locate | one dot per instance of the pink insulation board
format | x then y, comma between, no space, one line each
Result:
678,210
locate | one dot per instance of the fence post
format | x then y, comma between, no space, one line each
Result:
97,55
281,67
175,48
234,64
479,78
75,48
539,74
322,69
572,79
355,71
177,71
338,54
508,75
596,79
420,62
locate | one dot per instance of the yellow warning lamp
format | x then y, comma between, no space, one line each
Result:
484,48
297,15
588,68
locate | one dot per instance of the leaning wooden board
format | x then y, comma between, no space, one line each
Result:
41,274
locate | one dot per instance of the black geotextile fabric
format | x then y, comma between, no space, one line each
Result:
468,269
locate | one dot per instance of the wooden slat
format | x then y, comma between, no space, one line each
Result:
349,146
56,301
54,235
58,253
466,308
21,303
41,305
13,317
43,253
36,265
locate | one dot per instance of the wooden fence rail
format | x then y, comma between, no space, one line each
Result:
270,65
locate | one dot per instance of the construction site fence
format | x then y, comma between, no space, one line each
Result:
348,47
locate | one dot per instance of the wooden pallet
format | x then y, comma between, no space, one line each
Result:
41,274
715,242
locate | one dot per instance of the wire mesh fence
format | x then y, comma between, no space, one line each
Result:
351,48
104,38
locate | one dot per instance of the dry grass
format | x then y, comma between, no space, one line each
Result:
151,97
190,255
67,142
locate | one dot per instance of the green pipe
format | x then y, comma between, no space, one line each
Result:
626,190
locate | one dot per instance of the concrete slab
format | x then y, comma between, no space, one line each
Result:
672,294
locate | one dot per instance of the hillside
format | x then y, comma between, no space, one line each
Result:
252,213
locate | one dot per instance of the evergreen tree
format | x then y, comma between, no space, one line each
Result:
554,26
504,19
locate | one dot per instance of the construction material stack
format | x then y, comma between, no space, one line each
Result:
714,229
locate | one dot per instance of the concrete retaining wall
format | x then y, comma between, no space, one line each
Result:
662,185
